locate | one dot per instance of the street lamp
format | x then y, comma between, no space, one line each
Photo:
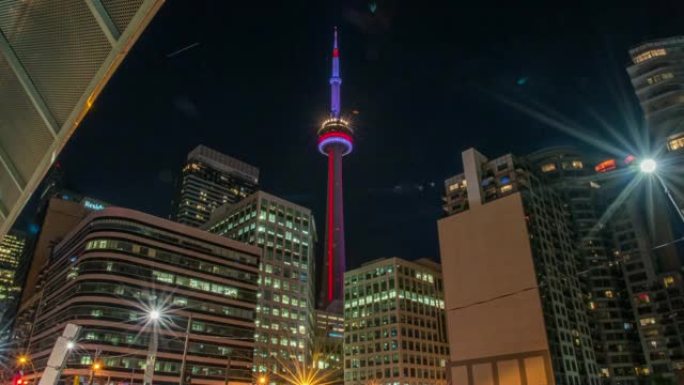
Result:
70,345
154,315
97,365
648,166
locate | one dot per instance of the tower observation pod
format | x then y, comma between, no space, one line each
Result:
335,140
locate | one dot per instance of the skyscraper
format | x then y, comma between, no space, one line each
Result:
395,326
210,179
334,141
116,267
286,233
12,249
514,304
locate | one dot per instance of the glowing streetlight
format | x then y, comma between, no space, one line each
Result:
648,166
97,366
22,360
154,315
262,380
70,345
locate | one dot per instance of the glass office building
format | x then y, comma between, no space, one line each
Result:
286,233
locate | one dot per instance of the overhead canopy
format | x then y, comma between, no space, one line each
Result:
55,58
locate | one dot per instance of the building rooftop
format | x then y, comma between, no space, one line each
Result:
225,163
425,262
657,43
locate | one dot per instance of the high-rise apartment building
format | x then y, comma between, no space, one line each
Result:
286,233
395,326
208,180
117,266
514,301
12,249
656,74
586,198
655,264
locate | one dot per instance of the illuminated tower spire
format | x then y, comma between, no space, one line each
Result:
335,81
334,141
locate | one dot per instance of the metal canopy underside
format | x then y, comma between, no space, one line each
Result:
55,58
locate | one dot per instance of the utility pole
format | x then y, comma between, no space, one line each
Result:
185,350
92,367
148,375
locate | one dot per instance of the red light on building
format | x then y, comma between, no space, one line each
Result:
18,379
606,165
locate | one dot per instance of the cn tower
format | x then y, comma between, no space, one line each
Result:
335,139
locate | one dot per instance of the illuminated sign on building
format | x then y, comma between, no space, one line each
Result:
606,165
90,205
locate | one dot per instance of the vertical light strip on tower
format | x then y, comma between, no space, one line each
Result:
334,141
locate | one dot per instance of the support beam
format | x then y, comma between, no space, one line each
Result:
104,21
26,82
12,170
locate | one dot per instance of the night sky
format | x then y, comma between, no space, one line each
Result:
426,77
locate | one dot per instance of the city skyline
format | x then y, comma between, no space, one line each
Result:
405,143
512,212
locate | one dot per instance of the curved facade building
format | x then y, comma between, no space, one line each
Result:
657,74
117,266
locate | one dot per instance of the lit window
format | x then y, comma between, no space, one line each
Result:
548,167
605,372
660,77
676,143
609,294
647,321
668,281
642,57
577,164
506,188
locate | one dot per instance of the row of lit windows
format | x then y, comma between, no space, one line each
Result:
575,164
280,312
172,258
168,237
165,277
650,54
127,364
291,301
676,143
